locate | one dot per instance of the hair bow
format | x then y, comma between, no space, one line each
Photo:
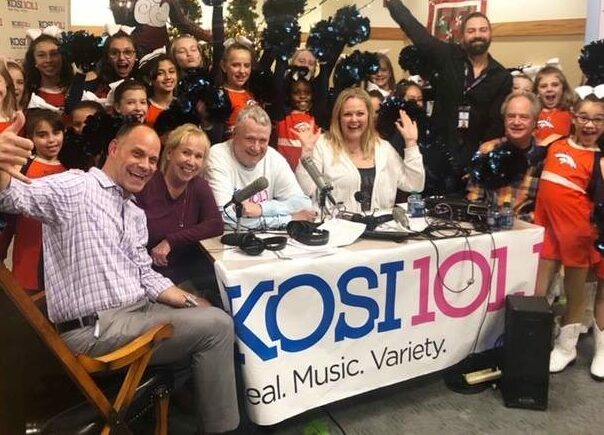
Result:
53,31
584,91
110,95
417,80
37,102
150,56
112,29
300,72
239,39
91,96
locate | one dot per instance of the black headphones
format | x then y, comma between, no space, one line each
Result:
252,245
307,233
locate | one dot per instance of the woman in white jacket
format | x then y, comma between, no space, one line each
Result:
364,170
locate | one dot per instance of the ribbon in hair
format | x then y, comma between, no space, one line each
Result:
53,31
300,72
584,91
37,102
240,40
417,80
150,56
112,29
91,96
110,95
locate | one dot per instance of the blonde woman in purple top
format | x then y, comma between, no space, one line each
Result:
180,208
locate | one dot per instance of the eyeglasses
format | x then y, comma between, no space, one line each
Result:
128,54
582,119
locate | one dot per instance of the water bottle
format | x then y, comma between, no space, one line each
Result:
420,207
412,203
493,218
506,217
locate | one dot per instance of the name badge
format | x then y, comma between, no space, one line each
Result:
463,116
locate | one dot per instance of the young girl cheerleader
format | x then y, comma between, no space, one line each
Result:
382,81
47,71
130,99
298,119
161,76
8,104
564,209
18,75
237,67
45,129
555,94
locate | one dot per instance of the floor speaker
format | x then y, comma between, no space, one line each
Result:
526,349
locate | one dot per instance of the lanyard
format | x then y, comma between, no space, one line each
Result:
475,83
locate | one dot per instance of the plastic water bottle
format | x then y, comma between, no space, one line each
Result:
493,218
412,203
415,205
506,217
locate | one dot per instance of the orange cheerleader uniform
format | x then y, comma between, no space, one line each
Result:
27,249
555,121
564,207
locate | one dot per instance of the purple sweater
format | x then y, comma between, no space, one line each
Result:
183,221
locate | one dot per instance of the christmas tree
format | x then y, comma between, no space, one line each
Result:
241,20
192,10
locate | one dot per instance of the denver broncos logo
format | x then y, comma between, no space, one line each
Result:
545,123
566,159
302,126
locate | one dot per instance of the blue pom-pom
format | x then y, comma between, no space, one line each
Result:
323,39
352,28
500,167
281,36
355,68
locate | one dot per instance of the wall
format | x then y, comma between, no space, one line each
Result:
508,50
16,17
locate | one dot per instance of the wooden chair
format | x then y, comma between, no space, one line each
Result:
132,358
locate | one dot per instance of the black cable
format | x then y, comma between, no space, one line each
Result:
326,409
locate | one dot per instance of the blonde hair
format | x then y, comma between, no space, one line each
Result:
9,104
178,136
22,102
369,139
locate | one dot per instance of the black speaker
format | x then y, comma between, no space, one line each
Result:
526,349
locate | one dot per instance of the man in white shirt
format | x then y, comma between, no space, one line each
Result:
235,164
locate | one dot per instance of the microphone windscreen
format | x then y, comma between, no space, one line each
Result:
400,216
258,185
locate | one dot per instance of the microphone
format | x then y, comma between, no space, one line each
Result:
258,185
317,177
400,216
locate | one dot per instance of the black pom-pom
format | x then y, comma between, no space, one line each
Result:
502,166
173,117
213,3
73,154
191,86
351,27
99,130
262,84
598,220
389,114
276,8
281,36
82,48
355,68
217,104
323,40
411,59
591,62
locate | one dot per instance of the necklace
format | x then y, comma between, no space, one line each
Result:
183,208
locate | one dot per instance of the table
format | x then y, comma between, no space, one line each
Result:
313,331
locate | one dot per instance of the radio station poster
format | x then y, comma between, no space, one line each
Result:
16,16
314,331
